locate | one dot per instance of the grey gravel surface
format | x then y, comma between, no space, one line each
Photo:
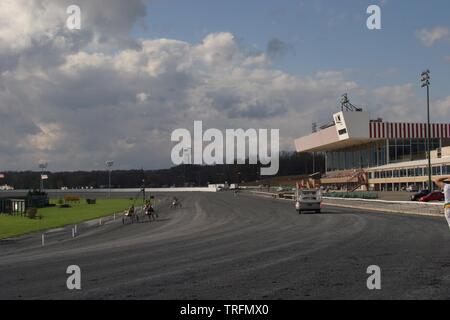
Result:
223,247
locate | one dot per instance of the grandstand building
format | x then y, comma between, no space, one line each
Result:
377,155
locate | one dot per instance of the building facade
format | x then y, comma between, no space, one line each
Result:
390,155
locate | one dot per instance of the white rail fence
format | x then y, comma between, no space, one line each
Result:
408,207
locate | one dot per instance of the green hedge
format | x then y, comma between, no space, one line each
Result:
354,195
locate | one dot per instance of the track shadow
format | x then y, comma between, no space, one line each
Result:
322,213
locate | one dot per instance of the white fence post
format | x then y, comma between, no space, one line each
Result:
43,239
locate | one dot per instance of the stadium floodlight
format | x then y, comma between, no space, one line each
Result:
425,78
426,72
425,81
42,165
109,165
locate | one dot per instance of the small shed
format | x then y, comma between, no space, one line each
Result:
13,206
18,206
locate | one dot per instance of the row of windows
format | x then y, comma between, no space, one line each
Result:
379,153
401,150
367,156
413,172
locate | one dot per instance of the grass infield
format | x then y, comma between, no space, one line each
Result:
54,217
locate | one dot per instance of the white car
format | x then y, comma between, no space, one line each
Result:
308,200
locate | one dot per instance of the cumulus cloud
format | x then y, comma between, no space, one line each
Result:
33,32
443,106
407,103
429,37
395,94
76,99
124,105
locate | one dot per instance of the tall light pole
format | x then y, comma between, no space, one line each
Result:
314,130
425,79
187,153
143,186
42,165
109,164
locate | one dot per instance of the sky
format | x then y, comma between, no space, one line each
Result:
137,70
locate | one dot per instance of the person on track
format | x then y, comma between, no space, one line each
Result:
130,211
175,202
153,215
444,183
147,208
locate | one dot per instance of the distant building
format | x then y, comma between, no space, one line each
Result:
377,155
12,206
19,205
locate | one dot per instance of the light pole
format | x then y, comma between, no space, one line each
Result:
143,191
187,153
109,164
314,130
143,187
425,79
42,165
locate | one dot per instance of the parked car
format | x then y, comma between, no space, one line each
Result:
419,195
434,196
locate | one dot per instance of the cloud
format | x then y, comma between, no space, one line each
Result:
123,105
395,94
406,103
429,37
76,99
34,31
443,106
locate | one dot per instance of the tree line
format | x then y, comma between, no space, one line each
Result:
291,163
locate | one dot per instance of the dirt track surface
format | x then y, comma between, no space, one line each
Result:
223,247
